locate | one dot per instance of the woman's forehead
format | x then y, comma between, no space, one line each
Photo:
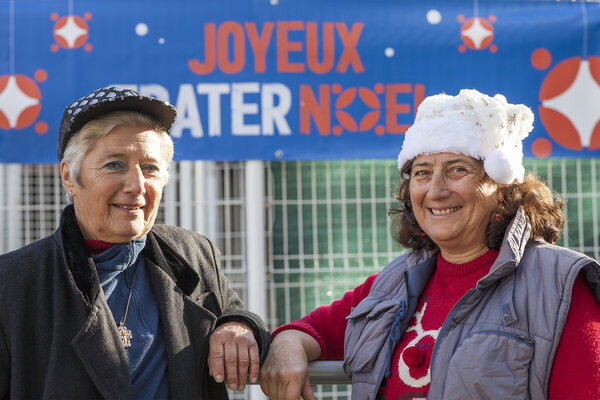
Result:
127,140
443,158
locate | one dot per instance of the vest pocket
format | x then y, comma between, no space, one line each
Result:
368,329
490,365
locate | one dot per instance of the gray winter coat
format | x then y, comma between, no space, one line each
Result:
499,340
58,338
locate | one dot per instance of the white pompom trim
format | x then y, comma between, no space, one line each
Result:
503,167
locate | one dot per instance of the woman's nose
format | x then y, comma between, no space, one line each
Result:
135,181
439,186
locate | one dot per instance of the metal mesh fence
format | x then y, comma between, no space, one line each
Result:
328,223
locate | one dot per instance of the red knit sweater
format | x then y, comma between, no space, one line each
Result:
576,370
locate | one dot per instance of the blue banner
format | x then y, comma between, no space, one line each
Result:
295,80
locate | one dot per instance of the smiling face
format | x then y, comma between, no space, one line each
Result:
121,185
452,202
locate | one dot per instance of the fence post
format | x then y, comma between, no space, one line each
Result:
14,206
206,195
254,188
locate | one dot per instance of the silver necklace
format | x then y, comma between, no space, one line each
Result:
124,333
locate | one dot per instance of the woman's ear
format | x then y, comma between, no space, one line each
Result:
67,178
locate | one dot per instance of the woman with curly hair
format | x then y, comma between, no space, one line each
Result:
484,305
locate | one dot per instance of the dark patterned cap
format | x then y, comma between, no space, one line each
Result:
105,100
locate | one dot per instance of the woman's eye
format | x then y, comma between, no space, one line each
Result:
421,172
114,165
151,168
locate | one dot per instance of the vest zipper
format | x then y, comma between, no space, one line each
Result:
444,328
526,339
393,338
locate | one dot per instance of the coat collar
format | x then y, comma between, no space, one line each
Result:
167,259
77,256
515,240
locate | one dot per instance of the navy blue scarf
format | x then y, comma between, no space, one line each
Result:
147,357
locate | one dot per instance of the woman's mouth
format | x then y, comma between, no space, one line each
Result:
444,211
129,207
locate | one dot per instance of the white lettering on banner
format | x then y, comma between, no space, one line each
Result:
188,116
275,115
214,92
239,109
275,103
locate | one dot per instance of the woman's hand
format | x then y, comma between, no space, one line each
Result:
233,355
284,374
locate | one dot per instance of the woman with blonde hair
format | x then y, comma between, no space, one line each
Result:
112,305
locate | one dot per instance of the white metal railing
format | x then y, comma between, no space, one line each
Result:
327,373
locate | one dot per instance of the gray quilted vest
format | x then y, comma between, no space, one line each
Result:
499,340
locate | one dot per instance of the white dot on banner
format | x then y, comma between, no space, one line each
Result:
389,52
141,29
274,2
161,41
329,293
434,17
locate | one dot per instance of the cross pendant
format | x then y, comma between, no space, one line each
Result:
125,335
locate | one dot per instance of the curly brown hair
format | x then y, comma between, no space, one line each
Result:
542,207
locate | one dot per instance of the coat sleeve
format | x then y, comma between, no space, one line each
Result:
576,369
233,308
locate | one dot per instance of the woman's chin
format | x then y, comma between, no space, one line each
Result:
124,234
446,238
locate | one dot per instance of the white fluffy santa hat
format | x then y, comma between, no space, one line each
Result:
473,124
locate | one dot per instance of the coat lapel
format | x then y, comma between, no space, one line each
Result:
185,325
95,344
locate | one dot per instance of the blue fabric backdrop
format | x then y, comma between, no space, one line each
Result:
294,80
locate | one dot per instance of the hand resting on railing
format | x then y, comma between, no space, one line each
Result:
284,374
325,373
